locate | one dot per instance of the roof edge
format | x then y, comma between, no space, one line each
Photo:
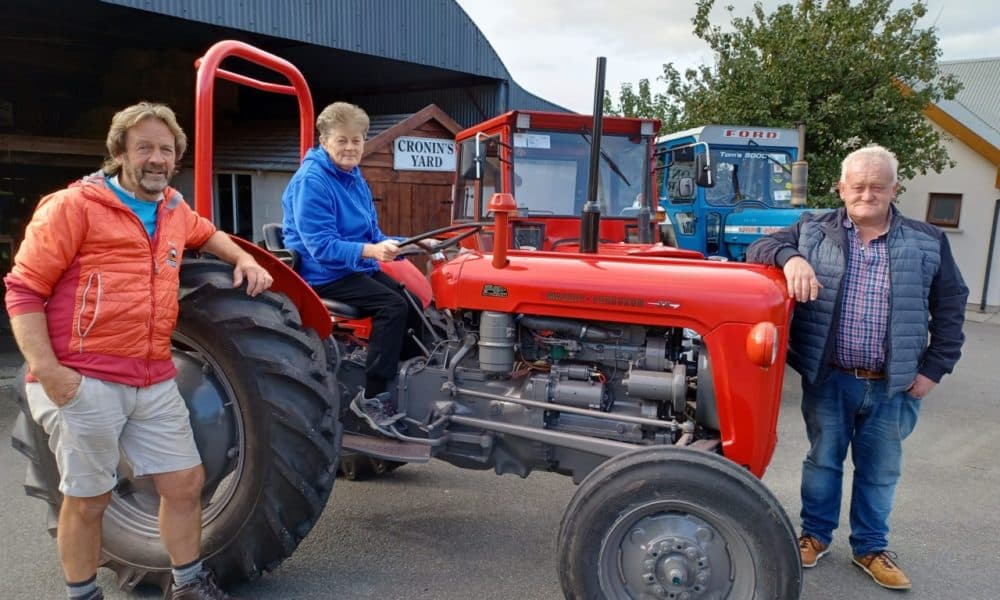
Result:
431,112
965,135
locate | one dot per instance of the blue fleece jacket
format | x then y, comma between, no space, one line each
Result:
329,217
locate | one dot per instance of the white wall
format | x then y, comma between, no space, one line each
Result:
975,178
267,189
266,192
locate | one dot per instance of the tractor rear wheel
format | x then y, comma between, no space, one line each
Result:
673,523
264,413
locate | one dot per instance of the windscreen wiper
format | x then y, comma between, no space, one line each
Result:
769,157
608,159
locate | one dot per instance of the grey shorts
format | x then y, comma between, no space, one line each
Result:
149,424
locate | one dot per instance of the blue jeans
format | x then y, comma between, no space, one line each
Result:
846,411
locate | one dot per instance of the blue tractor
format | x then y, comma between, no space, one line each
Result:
724,186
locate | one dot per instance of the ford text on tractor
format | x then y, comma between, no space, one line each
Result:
652,381
725,186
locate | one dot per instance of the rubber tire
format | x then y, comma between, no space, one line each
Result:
278,371
708,480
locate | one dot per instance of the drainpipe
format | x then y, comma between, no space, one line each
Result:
989,257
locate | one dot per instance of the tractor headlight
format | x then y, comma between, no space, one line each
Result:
762,344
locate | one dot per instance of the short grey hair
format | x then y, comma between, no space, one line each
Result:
873,152
341,115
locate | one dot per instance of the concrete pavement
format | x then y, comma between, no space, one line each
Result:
436,532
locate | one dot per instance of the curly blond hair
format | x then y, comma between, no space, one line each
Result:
129,117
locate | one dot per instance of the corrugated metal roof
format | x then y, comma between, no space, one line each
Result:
257,146
274,146
977,105
436,33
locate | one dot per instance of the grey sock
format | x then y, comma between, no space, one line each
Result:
185,574
81,589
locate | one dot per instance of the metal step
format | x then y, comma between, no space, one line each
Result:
387,449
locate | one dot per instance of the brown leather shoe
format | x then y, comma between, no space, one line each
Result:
884,570
811,550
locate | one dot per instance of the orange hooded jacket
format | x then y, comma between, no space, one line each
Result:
108,291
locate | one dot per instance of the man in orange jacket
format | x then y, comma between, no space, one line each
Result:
93,300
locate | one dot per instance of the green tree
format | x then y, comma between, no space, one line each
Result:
854,73
644,104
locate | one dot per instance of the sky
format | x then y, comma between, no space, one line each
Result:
550,47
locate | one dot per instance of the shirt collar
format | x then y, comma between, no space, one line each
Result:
118,186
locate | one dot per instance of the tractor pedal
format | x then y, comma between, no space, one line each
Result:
387,449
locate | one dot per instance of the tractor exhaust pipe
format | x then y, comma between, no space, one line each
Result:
590,220
800,172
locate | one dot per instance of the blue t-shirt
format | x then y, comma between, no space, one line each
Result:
145,210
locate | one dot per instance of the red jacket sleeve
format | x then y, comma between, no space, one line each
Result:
51,243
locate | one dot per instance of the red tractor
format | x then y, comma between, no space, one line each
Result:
651,378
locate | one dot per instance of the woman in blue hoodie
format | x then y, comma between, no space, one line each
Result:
330,221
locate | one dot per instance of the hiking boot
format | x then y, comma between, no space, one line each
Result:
202,588
811,550
882,567
377,412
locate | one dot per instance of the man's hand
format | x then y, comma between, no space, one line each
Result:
257,278
801,279
60,383
920,387
384,251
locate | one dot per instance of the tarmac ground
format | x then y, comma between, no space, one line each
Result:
436,532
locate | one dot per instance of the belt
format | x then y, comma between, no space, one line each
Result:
861,373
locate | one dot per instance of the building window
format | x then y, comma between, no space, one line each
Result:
943,209
234,204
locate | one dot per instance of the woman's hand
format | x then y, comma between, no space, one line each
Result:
383,251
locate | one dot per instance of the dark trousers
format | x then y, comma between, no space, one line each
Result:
379,296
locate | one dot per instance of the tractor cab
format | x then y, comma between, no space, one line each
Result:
542,160
724,186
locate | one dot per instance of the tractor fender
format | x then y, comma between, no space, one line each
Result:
409,275
286,281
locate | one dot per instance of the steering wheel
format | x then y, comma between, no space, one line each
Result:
421,246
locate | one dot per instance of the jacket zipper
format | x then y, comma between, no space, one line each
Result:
154,271
152,289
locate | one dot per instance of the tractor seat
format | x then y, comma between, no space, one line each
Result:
340,309
274,241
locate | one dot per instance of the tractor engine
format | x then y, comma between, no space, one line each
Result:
500,379
609,367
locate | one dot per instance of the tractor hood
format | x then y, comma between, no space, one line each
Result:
745,226
697,294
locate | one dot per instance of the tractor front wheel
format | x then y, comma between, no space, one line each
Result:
674,523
